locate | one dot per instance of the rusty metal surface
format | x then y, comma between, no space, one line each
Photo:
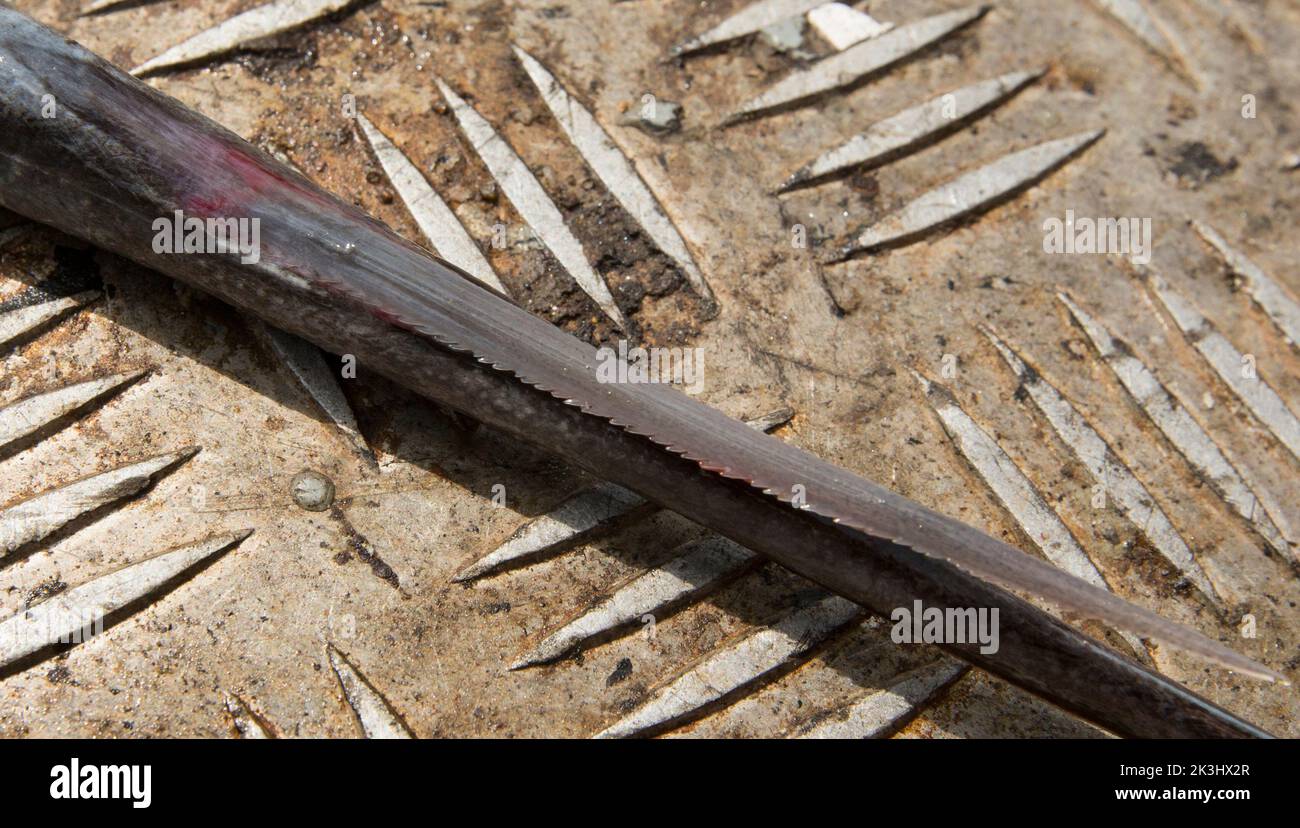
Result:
345,620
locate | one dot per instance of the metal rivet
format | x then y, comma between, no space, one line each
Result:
312,491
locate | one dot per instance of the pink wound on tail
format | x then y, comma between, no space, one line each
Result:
236,176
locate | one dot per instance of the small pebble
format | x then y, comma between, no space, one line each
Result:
312,491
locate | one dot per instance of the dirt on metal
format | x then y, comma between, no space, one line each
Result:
836,342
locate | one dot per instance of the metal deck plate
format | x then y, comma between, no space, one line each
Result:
448,555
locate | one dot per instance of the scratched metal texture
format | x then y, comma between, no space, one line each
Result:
348,622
